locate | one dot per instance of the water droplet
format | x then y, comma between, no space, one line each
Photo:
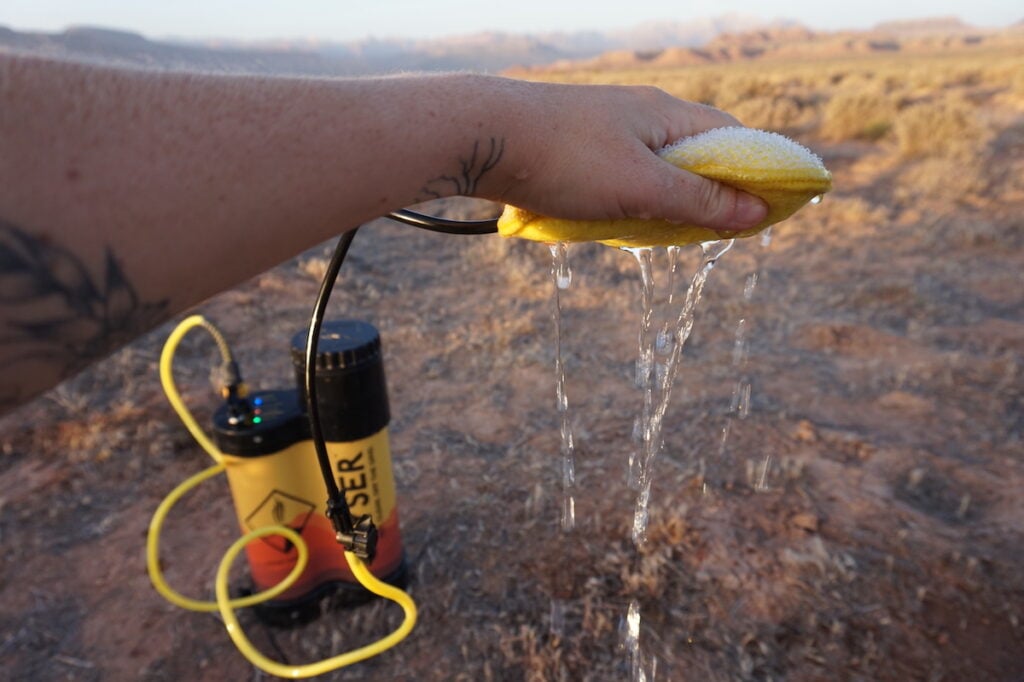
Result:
714,250
751,284
641,511
560,269
630,634
744,402
633,622
568,513
762,479
660,373
663,342
725,438
634,473
737,389
766,238
644,365
740,345
563,278
816,199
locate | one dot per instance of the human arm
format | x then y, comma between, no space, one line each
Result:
127,196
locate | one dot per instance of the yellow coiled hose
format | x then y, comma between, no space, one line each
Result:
224,604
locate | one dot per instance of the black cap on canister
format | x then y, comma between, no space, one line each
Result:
351,392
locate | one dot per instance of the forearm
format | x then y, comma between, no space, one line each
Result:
167,164
188,184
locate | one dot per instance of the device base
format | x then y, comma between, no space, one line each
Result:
326,598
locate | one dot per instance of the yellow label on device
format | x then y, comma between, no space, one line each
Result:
287,487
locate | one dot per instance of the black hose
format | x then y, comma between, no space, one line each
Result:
445,225
337,507
312,342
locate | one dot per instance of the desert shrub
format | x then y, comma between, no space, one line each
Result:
927,77
1000,72
861,114
1013,95
944,127
699,87
735,89
852,210
768,113
695,85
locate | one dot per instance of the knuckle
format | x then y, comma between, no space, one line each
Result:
711,201
654,92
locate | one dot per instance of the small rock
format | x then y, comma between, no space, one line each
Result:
805,432
804,521
864,451
905,402
914,478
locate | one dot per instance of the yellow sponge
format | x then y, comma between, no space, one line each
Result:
785,174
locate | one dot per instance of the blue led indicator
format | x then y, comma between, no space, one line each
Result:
257,401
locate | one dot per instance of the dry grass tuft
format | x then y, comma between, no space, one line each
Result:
769,113
858,115
944,127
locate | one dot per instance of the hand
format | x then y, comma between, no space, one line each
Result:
591,156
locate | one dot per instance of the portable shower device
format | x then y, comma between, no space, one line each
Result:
274,476
271,444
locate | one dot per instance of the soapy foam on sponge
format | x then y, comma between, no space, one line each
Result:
785,174
744,150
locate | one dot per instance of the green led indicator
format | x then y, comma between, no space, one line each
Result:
257,420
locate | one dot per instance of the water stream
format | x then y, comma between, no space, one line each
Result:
660,347
658,361
561,276
656,378
739,405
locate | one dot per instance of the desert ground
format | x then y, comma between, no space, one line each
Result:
863,520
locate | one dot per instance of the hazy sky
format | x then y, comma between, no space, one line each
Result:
347,19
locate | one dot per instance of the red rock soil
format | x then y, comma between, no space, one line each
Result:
865,521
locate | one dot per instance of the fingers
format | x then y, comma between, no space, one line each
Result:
650,187
679,196
679,118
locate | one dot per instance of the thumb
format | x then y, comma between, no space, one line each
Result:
706,203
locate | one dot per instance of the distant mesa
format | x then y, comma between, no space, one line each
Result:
945,25
108,35
489,52
666,44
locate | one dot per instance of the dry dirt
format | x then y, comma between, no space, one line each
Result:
864,522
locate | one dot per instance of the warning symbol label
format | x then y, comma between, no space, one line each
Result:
280,509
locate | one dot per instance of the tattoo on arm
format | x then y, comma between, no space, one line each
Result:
471,170
55,318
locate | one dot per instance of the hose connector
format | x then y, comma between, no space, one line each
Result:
234,391
359,537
